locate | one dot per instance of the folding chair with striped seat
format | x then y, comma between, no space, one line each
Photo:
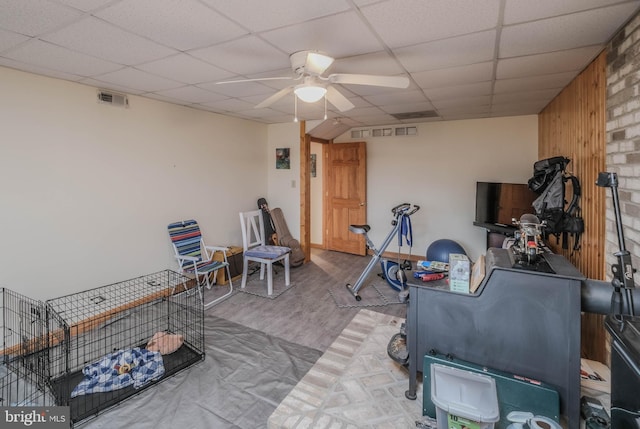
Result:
195,258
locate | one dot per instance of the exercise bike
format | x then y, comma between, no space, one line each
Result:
401,221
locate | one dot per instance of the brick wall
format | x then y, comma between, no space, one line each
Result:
623,140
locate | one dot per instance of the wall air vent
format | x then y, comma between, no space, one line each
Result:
115,99
415,115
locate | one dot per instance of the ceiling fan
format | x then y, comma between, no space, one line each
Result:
310,86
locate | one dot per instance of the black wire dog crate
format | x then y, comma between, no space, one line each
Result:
24,368
99,339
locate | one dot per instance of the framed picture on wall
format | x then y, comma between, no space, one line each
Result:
313,165
282,158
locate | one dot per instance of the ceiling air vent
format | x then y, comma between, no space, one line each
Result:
113,98
415,115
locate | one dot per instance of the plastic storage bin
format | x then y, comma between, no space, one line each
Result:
463,399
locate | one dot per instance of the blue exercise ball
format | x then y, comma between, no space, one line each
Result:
439,250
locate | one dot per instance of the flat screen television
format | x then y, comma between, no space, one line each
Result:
499,203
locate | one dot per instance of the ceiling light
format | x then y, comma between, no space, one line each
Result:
310,93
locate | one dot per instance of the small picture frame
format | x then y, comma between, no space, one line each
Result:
313,165
282,158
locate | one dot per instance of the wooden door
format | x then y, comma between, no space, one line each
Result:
346,196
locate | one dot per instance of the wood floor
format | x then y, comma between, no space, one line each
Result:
306,314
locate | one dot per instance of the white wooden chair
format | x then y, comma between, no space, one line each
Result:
255,249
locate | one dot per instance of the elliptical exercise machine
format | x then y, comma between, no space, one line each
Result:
401,220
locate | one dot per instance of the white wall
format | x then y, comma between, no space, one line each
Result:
438,168
88,189
284,185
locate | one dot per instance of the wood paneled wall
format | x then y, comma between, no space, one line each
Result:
573,125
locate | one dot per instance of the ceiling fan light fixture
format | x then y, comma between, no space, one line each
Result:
310,93
319,61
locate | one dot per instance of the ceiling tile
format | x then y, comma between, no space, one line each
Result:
409,22
34,17
452,52
396,97
447,103
259,16
367,90
239,89
180,24
49,56
190,94
558,80
464,110
366,111
464,116
526,108
328,35
407,107
31,68
9,39
176,50
467,90
186,69
245,56
516,11
525,96
230,105
563,32
454,75
85,5
111,86
373,63
107,42
547,63
130,77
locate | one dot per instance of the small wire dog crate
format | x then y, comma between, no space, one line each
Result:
93,349
106,329
24,355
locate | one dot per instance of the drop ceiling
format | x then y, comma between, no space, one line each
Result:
465,58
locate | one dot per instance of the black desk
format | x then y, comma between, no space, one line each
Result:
518,321
496,233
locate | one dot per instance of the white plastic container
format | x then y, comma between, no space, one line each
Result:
463,399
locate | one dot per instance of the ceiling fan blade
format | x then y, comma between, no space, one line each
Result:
336,98
275,97
369,79
256,79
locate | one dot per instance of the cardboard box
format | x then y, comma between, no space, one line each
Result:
477,274
234,257
459,273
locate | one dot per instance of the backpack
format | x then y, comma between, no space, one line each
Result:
549,182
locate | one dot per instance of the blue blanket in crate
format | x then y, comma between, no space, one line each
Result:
120,369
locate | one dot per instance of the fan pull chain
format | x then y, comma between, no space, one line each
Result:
295,108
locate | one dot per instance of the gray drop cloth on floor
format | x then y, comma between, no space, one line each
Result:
245,375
